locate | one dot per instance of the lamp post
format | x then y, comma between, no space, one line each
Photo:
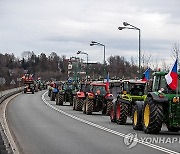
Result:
104,61
80,52
134,28
74,61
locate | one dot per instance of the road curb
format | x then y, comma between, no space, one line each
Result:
7,144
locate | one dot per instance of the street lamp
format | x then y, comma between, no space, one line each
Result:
80,52
135,28
97,43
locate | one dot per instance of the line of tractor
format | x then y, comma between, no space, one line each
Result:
149,104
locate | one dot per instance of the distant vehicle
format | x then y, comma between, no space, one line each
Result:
28,83
54,89
80,96
66,93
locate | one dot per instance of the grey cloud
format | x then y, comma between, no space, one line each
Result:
68,26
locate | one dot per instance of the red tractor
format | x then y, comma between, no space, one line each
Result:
28,83
80,96
98,99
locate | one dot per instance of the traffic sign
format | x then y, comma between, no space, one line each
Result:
12,82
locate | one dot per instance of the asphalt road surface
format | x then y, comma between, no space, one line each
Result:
39,127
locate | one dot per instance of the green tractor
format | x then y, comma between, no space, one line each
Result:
162,105
132,94
66,93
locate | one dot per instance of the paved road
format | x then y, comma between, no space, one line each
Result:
42,127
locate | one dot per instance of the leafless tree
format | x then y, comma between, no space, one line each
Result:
164,65
27,55
175,51
155,63
146,59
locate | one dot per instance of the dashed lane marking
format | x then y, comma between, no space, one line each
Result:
107,129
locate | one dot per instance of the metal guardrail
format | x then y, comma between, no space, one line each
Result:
9,93
5,146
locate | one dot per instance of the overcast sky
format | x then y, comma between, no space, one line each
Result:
66,26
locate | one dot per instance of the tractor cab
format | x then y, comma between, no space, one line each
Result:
134,89
160,84
115,87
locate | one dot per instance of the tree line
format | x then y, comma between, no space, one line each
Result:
55,66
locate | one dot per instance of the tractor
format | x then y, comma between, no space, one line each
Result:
98,99
162,105
54,90
35,86
115,89
66,93
29,83
50,87
80,96
131,93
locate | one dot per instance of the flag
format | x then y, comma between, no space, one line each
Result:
107,81
146,75
172,77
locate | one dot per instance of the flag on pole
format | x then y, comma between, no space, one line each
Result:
146,75
172,77
107,81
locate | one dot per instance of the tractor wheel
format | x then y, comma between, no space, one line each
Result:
74,103
152,116
84,106
104,110
173,129
137,117
79,104
89,106
52,96
70,99
109,106
121,113
57,99
61,99
113,113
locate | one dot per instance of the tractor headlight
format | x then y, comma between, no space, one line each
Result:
176,100
161,95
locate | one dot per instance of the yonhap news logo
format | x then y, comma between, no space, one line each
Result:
131,140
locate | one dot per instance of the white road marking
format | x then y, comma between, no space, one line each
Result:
109,130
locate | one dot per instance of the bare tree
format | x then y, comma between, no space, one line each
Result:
27,55
132,61
146,59
175,51
155,63
164,65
